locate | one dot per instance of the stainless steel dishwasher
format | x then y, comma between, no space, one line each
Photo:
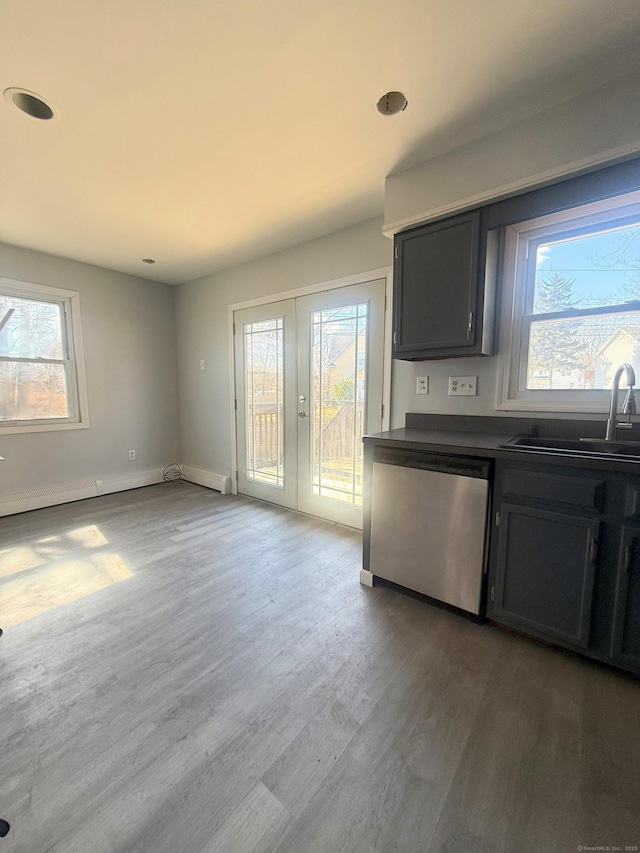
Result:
429,522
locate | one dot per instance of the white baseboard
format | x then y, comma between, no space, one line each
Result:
133,481
67,492
51,496
366,578
219,482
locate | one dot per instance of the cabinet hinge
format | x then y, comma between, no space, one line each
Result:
627,559
492,593
233,326
382,410
394,338
235,405
396,253
593,550
497,519
470,323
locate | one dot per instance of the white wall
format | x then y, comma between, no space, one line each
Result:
205,416
438,400
128,326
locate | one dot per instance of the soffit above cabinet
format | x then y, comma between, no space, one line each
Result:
576,136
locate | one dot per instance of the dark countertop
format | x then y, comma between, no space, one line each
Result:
485,444
452,440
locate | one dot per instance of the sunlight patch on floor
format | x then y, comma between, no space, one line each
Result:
53,571
15,560
89,536
23,598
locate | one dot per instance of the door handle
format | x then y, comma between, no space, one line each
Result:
302,414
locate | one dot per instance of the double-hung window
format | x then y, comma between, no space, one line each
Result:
42,384
571,307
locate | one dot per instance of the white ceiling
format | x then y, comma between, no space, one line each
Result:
204,133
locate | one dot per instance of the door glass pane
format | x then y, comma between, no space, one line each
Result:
264,403
338,382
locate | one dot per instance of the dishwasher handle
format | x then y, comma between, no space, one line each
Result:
458,465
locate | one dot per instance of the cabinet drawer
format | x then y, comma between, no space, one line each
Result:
584,492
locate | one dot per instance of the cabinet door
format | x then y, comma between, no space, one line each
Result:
545,573
435,289
625,643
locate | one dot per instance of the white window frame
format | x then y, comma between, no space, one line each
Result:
512,395
77,402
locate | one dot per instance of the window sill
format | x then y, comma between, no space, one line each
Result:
528,407
16,429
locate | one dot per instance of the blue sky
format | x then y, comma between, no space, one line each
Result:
601,264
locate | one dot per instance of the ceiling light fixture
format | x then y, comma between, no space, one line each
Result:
29,103
392,103
148,261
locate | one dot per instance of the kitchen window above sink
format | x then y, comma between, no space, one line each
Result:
571,307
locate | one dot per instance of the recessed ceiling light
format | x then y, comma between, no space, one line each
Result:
29,103
392,103
148,261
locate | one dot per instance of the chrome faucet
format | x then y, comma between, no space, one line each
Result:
629,405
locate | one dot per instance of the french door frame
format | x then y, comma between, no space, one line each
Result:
384,273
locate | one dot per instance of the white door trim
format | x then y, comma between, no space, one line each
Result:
360,278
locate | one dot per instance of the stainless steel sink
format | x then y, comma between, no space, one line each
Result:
583,446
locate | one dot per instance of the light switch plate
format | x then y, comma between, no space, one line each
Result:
422,384
463,386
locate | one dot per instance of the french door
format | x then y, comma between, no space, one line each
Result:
308,386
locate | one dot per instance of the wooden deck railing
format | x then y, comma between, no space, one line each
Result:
337,435
268,425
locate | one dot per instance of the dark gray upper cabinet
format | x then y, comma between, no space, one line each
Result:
444,289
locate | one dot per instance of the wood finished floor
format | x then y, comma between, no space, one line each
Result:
230,687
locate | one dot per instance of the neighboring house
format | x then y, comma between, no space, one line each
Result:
347,364
623,345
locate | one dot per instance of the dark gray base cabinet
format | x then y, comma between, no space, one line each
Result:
625,641
565,559
545,572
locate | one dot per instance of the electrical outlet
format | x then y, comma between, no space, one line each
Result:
132,454
463,386
422,384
